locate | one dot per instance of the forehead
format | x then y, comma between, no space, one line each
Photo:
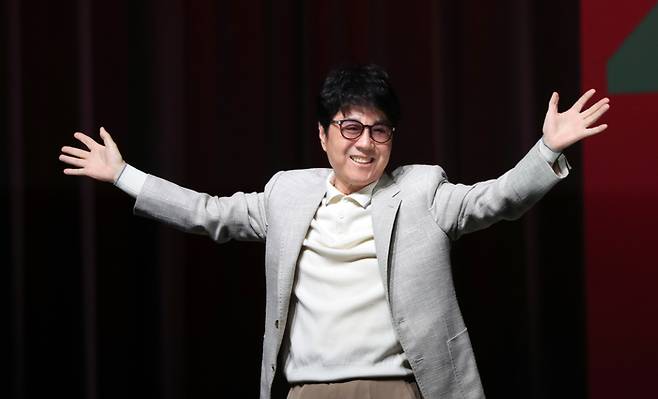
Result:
361,113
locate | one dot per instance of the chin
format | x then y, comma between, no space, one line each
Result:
363,181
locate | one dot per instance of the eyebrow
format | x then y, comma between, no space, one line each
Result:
377,122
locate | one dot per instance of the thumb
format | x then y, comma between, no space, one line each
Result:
107,139
552,103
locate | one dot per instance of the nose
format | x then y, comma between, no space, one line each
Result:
365,140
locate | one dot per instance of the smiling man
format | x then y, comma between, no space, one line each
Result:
360,301
357,114
357,159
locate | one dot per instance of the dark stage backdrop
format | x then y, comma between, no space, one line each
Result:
218,96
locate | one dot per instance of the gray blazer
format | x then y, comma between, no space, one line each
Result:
416,213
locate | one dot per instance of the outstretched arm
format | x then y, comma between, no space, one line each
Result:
101,162
241,216
461,209
563,129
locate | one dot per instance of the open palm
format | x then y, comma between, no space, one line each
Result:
565,128
101,162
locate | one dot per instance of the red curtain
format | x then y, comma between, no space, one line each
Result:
620,194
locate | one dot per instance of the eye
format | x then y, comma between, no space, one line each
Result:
352,127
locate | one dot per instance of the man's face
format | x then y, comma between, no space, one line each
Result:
356,163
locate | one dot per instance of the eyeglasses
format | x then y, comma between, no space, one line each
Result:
352,129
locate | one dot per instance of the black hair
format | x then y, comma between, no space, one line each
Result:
357,85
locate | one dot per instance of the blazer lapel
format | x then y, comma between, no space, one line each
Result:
300,213
385,205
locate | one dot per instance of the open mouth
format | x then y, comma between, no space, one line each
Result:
362,160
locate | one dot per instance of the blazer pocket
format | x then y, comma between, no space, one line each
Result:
463,365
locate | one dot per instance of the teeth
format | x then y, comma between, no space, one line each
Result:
358,159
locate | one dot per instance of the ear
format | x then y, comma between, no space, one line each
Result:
323,137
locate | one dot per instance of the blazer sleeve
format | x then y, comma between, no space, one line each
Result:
459,209
241,216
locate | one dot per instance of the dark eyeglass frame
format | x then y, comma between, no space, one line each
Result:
340,123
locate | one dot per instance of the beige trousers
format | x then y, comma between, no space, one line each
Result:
357,389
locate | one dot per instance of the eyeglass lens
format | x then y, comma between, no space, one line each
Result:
379,132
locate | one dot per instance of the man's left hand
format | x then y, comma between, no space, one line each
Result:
563,129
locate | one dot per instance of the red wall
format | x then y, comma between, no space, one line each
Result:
621,215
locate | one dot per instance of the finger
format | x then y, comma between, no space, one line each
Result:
74,172
589,111
72,160
86,140
596,115
595,130
75,152
583,99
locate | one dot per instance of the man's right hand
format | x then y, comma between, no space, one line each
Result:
101,162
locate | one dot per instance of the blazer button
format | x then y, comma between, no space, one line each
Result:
276,323
273,368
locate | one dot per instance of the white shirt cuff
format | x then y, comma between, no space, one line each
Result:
549,155
131,180
557,160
